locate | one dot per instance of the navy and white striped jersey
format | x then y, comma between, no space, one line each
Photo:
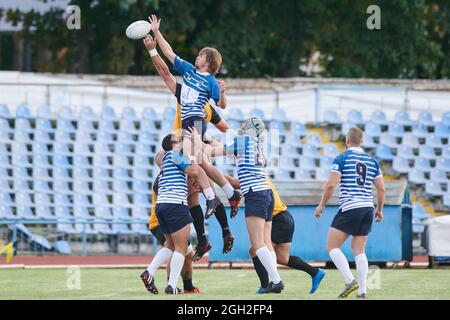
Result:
196,90
358,170
172,184
251,163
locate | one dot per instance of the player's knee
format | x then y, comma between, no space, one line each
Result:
251,252
282,258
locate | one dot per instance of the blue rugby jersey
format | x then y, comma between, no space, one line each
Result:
172,184
358,170
251,163
196,90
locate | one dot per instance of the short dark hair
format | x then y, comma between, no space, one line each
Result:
167,142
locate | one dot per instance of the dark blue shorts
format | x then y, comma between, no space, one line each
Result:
172,217
356,222
259,204
282,228
198,122
159,235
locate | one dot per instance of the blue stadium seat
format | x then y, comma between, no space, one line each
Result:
123,149
446,118
402,118
44,137
420,130
45,112
61,199
101,200
355,116
42,186
62,212
303,174
330,150
142,174
19,160
140,212
66,125
102,174
142,162
82,148
433,188
81,161
326,162
24,212
331,117
81,200
5,136
61,161
81,174
401,165
406,152
6,212
4,174
86,126
40,148
104,136
442,130
61,174
62,149
108,114
84,137
102,162
426,118
169,114
378,117
88,114
5,199
147,125
141,200
23,125
4,112
121,161
106,126
128,113
286,163
121,173
369,142
427,152
277,125
44,124
20,148
5,186
121,200
417,176
298,129
102,186
307,163
279,114
102,148
372,129
438,175
346,126
21,185
81,187
23,136
150,114
4,125
128,126
309,151
283,174
443,164
410,140
41,173
313,139
388,140
144,149
65,112
43,212
433,141
23,199
422,164
256,112
446,152
396,130
446,198
5,161
62,187
141,186
22,111
125,137
322,174
289,151
419,212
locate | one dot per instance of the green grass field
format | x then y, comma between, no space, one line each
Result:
216,284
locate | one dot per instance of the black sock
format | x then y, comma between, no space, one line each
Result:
221,216
187,284
299,264
199,224
261,271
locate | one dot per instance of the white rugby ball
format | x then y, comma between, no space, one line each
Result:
138,29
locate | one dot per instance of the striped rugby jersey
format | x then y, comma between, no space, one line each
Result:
172,184
251,163
196,90
358,170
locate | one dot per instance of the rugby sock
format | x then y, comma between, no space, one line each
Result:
261,272
209,193
221,216
341,263
274,257
228,189
362,267
297,263
176,264
188,285
199,224
267,260
159,259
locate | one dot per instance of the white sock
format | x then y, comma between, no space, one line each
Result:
267,260
176,264
209,193
341,263
189,250
161,258
274,257
228,189
362,267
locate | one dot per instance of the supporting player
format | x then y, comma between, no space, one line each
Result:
187,271
172,210
282,234
356,171
259,198
212,116
199,85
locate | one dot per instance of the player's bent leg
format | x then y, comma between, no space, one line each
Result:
362,265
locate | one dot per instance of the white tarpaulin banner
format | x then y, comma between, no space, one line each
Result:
438,236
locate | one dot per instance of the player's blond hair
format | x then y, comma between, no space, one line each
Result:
213,58
355,136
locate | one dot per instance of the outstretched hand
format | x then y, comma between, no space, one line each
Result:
149,42
154,22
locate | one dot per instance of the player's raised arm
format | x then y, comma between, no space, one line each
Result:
163,44
160,65
223,98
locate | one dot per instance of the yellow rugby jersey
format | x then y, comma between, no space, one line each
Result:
177,120
279,205
153,218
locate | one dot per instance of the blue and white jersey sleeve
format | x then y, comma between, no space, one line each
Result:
378,172
338,164
182,66
214,90
180,160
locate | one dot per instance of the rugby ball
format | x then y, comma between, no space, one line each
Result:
138,29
